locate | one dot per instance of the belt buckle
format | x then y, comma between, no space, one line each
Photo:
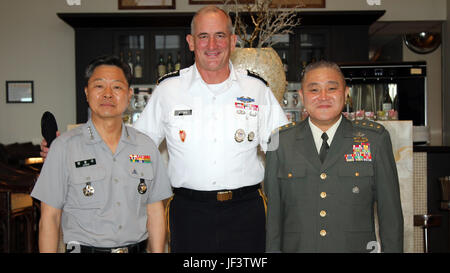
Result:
224,196
119,250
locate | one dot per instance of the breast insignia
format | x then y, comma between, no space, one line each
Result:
168,75
257,76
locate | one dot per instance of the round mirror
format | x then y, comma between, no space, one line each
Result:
422,42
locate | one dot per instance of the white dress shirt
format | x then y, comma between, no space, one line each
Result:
209,157
317,133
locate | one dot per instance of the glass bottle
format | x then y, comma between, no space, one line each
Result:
138,67
161,66
348,104
130,62
178,62
387,101
348,109
285,63
169,65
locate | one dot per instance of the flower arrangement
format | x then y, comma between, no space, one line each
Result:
267,19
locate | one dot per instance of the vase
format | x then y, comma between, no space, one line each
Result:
266,63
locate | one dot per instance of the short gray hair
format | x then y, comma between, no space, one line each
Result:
321,64
212,9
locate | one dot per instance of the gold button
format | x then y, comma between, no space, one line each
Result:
289,175
378,127
323,213
323,176
363,123
293,123
323,195
323,233
371,125
357,174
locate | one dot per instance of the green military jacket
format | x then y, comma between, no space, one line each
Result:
329,207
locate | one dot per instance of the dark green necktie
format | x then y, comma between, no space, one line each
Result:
324,149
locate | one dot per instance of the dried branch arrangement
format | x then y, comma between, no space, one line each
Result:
267,20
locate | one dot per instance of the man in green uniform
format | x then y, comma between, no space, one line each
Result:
324,179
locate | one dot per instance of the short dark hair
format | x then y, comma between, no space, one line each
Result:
322,64
108,60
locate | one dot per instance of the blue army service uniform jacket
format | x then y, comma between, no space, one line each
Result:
329,207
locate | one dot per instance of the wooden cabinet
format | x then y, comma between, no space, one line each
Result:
338,36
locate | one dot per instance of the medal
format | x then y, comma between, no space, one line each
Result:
142,187
239,136
360,153
88,190
251,136
140,158
182,135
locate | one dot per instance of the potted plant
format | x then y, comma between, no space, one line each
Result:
255,52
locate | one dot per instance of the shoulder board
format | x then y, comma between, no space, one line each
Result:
283,129
286,127
257,76
168,75
368,124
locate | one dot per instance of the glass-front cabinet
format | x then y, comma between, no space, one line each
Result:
132,48
150,54
296,51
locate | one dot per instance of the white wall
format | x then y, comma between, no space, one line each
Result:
36,45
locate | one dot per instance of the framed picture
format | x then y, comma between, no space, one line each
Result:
284,3
207,2
146,4
19,92
303,4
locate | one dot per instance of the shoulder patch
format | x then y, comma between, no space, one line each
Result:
257,76
368,124
168,75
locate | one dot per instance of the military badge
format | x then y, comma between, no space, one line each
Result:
360,153
245,100
239,136
140,159
251,136
182,135
142,187
183,112
360,137
349,158
85,163
88,190
239,105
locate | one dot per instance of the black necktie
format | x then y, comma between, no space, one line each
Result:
324,149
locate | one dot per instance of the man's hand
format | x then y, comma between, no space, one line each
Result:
44,148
